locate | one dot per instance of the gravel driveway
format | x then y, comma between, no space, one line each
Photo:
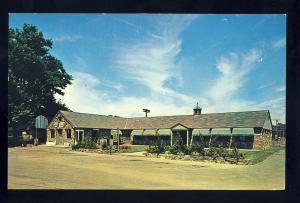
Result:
46,167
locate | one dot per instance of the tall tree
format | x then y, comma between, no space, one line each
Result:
34,77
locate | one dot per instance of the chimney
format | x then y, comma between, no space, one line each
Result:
197,110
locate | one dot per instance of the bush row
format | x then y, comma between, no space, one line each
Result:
197,151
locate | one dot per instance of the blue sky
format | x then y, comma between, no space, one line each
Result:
122,63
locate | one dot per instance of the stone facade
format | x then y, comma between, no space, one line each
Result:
57,124
262,140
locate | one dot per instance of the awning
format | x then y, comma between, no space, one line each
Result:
201,132
150,132
243,131
221,131
164,132
115,132
137,132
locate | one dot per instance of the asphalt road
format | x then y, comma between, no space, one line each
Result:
59,168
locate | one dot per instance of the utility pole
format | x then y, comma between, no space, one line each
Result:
146,111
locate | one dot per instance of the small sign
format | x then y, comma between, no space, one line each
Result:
41,122
111,142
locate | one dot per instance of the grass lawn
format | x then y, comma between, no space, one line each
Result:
136,148
258,156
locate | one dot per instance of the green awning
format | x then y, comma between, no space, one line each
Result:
220,131
150,132
115,132
201,132
243,131
137,132
164,132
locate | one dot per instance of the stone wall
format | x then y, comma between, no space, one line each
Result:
263,140
62,124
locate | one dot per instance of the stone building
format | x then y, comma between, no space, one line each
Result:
249,129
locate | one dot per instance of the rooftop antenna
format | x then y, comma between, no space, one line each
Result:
146,111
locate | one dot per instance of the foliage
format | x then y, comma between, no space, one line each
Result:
157,147
197,152
89,142
198,148
34,76
213,153
13,141
174,149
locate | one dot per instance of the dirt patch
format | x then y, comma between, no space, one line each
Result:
59,168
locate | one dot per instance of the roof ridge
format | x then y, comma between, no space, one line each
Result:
190,115
92,114
234,112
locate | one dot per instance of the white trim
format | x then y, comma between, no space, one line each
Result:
77,134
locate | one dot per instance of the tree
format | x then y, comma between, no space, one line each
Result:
34,77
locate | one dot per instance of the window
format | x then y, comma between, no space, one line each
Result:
68,133
80,135
59,132
52,135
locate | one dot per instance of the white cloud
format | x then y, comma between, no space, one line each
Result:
71,38
233,71
267,85
152,61
115,85
280,88
275,105
84,96
279,43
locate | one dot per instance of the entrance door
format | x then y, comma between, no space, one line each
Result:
179,137
59,139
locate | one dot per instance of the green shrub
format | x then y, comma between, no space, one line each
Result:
198,148
212,152
89,142
76,146
156,147
186,150
174,149
236,156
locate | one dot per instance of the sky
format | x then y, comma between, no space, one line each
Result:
122,63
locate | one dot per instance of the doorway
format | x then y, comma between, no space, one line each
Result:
179,137
59,138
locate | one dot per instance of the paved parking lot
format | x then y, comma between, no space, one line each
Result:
46,167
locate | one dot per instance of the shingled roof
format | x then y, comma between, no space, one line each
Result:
247,119
85,120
